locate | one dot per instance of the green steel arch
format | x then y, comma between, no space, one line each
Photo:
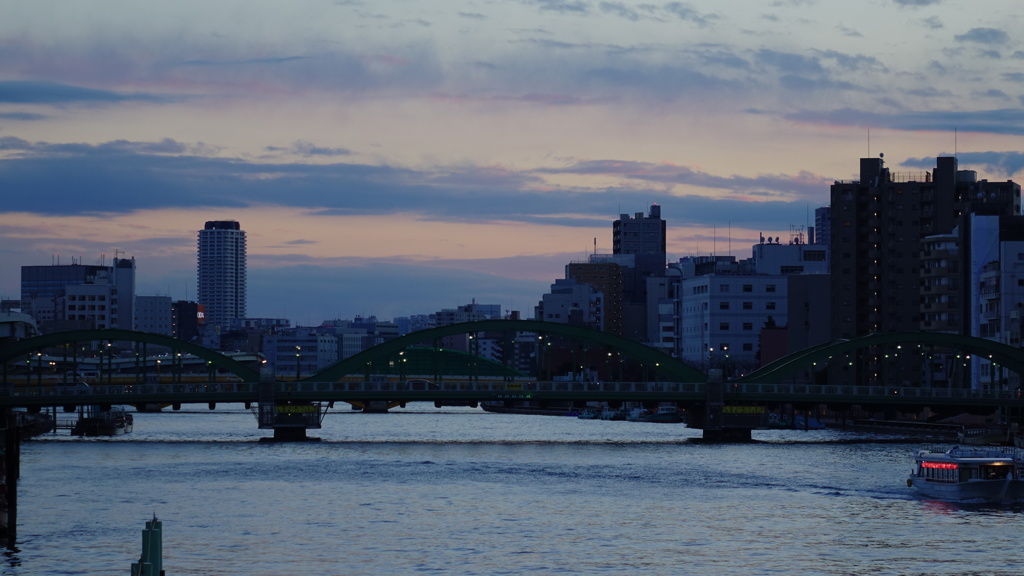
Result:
15,350
424,361
1002,354
660,362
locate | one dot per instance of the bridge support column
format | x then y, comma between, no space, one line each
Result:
728,435
290,434
289,420
714,425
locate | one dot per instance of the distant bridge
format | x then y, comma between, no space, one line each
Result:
380,375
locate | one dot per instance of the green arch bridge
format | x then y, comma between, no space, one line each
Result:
415,367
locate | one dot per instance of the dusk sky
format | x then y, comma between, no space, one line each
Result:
399,157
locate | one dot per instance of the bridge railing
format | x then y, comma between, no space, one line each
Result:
100,391
194,391
828,390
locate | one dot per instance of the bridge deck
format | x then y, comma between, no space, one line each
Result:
681,392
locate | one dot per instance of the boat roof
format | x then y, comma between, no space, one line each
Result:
973,454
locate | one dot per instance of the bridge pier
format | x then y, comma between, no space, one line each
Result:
716,425
289,420
728,435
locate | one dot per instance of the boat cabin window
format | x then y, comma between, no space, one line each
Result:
997,472
940,471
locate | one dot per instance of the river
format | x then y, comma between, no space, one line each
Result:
462,491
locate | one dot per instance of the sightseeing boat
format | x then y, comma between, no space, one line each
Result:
975,473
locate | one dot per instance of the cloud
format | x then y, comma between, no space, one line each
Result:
21,116
916,3
1003,163
27,92
619,9
984,36
1009,121
685,11
121,177
246,62
764,187
563,6
994,93
302,148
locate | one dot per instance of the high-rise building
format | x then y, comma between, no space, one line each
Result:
640,235
879,224
644,238
886,230
222,272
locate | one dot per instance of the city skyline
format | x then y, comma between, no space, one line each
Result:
392,159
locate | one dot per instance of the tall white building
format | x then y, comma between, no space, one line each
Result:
222,272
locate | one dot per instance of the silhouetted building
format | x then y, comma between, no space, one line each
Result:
644,238
186,318
606,276
879,247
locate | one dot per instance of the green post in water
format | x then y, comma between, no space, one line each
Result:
151,563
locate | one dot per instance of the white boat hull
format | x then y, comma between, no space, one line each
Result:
995,491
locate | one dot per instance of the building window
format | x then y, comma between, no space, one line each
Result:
748,305
723,326
723,287
748,325
748,347
769,288
723,305
769,305
748,287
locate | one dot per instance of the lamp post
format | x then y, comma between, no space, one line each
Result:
725,361
298,364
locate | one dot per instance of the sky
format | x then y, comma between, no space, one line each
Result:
397,157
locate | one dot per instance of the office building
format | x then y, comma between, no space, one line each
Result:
75,296
222,272
153,314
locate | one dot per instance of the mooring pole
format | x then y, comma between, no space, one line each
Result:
151,562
